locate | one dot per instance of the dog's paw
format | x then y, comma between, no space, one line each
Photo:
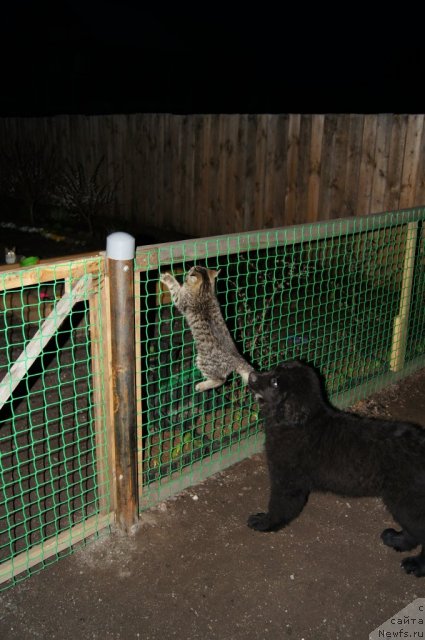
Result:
415,565
259,522
397,540
391,538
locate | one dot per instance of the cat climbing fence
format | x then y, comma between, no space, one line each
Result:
99,416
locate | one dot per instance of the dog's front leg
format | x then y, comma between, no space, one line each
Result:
284,506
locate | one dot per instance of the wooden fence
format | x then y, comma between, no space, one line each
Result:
211,174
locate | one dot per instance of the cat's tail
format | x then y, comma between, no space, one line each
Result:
244,369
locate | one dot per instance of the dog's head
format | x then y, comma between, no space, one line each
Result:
291,392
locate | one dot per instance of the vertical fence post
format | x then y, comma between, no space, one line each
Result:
401,321
120,249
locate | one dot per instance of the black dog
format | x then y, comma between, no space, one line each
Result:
312,446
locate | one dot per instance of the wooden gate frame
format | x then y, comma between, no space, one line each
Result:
83,274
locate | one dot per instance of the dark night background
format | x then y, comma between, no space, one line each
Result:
112,56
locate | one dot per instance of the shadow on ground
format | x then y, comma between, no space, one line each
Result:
194,570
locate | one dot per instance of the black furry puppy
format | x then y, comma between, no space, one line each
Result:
312,446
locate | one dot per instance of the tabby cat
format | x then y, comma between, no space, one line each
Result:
217,355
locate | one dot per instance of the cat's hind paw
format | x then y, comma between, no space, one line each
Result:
209,384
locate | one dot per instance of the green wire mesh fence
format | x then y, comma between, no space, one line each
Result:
346,296
54,488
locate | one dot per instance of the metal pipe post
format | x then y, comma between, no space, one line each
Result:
120,250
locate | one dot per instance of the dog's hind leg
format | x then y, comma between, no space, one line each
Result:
398,540
415,564
283,508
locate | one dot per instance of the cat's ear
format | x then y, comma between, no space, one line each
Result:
213,274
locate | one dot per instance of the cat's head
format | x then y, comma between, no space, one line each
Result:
201,278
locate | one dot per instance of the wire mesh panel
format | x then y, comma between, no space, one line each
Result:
54,486
346,296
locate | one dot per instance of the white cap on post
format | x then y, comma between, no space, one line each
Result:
120,246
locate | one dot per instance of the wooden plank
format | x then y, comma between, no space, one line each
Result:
216,225
144,171
167,186
269,174
48,270
260,170
204,159
139,170
338,172
108,384
100,365
315,168
329,133
139,397
50,325
240,164
291,168
152,166
419,186
280,170
197,186
232,186
123,167
354,147
303,170
184,169
159,171
412,152
210,224
119,165
395,161
53,546
150,142
250,168
129,169
179,209
189,189
382,152
178,173
367,166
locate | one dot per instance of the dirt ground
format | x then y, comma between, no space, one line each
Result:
194,570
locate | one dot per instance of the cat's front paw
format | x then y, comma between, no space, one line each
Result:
259,522
166,278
